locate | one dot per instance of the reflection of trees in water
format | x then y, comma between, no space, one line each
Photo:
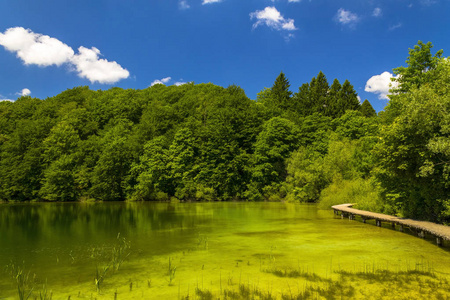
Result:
59,223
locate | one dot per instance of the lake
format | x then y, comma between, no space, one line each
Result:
226,250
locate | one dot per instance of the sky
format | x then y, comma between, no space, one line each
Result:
48,46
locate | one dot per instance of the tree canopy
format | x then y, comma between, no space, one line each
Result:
205,142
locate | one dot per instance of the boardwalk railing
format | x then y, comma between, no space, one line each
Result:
440,232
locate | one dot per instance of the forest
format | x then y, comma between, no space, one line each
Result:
202,142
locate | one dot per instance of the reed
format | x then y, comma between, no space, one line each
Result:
171,272
25,284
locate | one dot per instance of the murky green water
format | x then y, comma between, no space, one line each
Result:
217,250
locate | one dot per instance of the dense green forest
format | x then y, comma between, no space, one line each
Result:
205,142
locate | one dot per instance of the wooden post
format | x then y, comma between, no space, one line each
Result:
439,241
350,217
342,214
364,220
393,225
378,223
421,234
401,227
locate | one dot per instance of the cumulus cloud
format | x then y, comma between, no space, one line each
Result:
346,17
25,92
183,4
210,1
377,12
380,84
42,50
35,48
90,66
161,81
272,18
178,83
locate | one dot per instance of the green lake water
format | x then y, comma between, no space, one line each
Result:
210,251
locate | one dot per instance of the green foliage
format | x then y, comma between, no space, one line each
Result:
278,138
367,110
365,193
413,148
205,142
420,61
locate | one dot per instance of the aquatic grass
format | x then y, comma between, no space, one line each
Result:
25,284
117,256
171,272
100,276
204,294
296,273
44,294
202,242
120,252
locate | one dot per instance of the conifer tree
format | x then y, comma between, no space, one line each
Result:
300,100
367,110
280,92
348,98
319,90
333,99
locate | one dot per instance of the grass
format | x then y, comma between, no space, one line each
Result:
119,253
25,284
171,272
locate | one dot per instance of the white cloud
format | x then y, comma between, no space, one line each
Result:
6,100
294,0
42,50
359,98
211,1
35,48
377,12
380,84
183,4
90,66
395,26
272,18
161,81
25,92
178,83
346,17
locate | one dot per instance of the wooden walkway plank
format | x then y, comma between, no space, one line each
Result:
441,232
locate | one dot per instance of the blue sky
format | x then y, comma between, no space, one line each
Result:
50,46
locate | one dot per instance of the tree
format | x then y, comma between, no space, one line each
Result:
420,61
367,110
114,162
348,99
333,108
280,92
318,93
154,181
413,152
278,138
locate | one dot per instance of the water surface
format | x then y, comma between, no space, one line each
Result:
224,250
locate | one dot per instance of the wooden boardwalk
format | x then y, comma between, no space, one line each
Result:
440,232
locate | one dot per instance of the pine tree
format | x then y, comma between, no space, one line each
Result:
348,99
367,110
333,99
280,92
319,90
300,100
